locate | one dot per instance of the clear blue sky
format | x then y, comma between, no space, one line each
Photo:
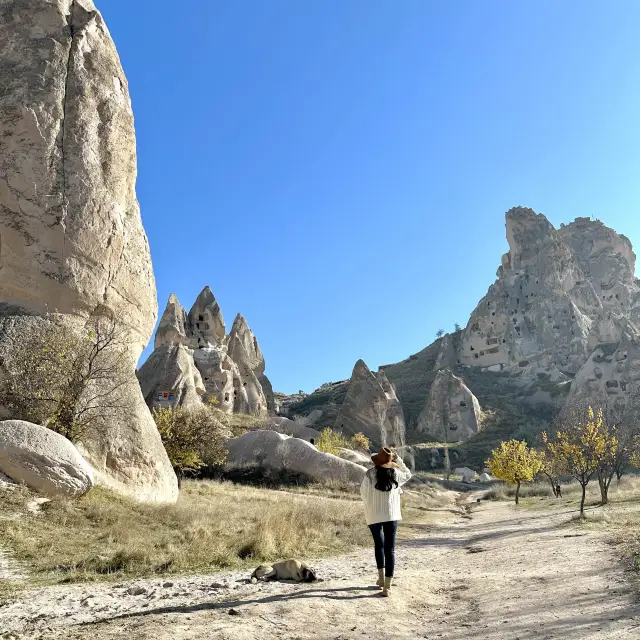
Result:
338,170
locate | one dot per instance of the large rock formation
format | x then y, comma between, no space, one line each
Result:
562,317
559,294
194,360
451,413
371,407
71,238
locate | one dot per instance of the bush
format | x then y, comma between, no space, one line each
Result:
360,442
192,438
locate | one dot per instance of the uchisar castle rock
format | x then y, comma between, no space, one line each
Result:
561,321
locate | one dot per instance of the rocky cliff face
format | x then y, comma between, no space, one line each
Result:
563,317
194,360
371,407
559,294
71,237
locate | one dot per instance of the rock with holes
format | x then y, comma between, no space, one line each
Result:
559,294
71,237
43,460
230,367
280,453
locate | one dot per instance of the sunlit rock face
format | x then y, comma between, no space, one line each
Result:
71,236
559,294
209,365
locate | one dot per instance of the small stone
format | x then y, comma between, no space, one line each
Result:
234,612
167,585
136,591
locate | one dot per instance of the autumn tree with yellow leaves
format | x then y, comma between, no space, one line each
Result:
582,446
514,462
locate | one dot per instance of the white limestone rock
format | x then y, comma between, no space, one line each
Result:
485,478
451,412
71,237
43,460
371,409
271,450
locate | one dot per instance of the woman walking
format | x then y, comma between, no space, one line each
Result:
380,491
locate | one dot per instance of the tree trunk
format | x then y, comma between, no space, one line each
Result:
584,495
604,489
517,491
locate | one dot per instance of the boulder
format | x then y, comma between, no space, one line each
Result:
371,407
278,452
485,478
71,236
294,428
467,475
358,457
43,460
451,412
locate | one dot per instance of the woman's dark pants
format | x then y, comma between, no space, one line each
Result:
384,540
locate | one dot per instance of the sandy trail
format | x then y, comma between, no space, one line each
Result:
502,575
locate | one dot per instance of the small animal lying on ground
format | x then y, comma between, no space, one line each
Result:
287,570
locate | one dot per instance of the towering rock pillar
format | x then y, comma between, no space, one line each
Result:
71,237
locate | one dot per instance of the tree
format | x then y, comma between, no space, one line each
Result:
550,469
67,379
457,327
192,438
439,333
514,462
582,445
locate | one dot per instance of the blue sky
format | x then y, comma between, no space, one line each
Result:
338,170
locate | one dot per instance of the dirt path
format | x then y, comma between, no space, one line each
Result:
501,575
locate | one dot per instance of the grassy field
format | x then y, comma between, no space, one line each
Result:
214,525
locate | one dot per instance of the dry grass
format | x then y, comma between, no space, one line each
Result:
214,525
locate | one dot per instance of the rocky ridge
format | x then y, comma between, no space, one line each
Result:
194,360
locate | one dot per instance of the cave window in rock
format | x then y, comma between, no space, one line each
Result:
463,403
201,318
623,386
226,397
612,384
475,355
453,427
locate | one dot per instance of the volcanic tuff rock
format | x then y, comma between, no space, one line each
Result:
278,452
559,294
194,359
451,413
564,313
371,407
71,237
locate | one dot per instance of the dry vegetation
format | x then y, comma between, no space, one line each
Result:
214,525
